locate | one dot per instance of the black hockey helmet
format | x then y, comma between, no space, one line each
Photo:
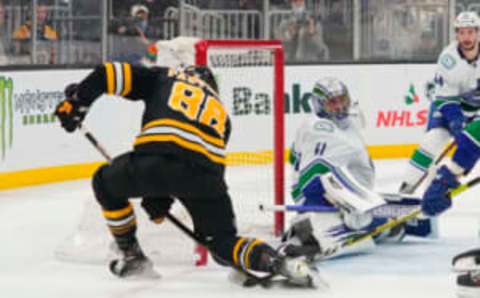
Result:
204,73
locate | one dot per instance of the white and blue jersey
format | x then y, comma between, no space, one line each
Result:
457,85
321,146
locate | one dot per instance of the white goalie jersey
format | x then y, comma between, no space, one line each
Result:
321,141
321,150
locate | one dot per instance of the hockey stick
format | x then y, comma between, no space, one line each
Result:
296,208
252,278
94,142
444,153
395,222
396,205
383,211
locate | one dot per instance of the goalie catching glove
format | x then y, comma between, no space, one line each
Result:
71,111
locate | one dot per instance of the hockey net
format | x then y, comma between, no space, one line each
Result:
250,78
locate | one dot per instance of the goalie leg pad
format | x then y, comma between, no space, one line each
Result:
328,230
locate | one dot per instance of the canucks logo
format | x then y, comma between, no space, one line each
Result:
448,61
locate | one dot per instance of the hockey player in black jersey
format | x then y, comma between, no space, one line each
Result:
179,153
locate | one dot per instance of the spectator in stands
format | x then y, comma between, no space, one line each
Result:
302,35
46,34
137,25
44,30
132,35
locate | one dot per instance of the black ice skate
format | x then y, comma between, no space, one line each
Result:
134,264
468,284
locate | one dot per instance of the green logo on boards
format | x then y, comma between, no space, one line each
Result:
412,96
6,114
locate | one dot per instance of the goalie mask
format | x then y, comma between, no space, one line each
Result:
330,99
204,73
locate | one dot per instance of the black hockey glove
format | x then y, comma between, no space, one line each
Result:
70,111
157,208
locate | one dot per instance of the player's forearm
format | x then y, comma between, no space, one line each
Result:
92,86
114,78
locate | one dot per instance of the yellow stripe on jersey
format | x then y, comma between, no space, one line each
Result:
236,248
246,257
115,214
127,79
110,71
182,143
184,126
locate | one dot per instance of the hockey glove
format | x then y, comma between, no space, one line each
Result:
157,208
455,118
436,198
70,111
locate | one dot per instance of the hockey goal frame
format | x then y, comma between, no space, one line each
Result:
201,58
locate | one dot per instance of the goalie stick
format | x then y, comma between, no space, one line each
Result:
396,205
387,210
252,279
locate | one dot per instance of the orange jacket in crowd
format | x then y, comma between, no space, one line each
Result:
24,32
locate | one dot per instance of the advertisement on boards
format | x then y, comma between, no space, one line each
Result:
392,98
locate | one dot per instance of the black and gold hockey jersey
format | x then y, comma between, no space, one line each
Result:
183,115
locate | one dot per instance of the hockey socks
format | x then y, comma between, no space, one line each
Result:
122,224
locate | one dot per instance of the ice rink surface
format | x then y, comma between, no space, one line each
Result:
36,220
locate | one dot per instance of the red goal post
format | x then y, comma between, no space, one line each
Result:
202,48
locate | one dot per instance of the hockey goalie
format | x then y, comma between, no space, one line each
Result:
332,169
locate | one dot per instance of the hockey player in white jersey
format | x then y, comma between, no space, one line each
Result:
437,200
457,98
332,169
